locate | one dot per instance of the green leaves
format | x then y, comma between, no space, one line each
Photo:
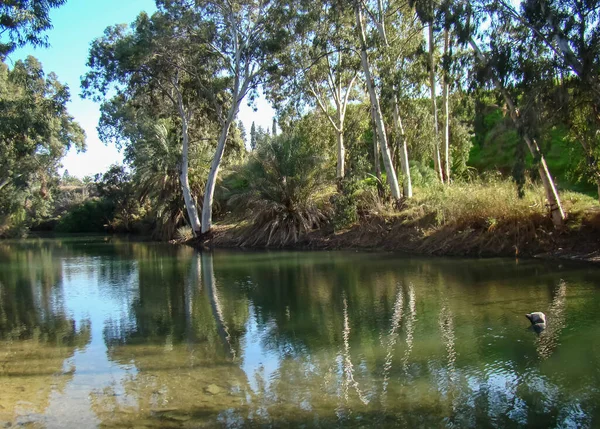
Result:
36,131
24,22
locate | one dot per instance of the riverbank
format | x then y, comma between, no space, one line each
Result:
480,220
517,240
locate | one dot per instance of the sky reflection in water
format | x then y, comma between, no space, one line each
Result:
108,332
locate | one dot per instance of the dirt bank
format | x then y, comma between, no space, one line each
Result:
531,237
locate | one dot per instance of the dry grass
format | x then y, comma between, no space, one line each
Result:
482,218
487,218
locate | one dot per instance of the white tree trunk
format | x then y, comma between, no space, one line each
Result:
407,182
190,204
341,154
376,156
436,133
378,115
211,183
556,210
445,91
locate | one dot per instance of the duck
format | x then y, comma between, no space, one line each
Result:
536,318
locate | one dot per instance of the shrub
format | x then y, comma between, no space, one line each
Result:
92,216
286,193
345,205
184,233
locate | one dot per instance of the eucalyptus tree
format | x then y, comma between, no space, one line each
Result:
318,66
570,30
386,30
243,35
156,56
446,62
36,132
500,65
148,131
24,22
426,11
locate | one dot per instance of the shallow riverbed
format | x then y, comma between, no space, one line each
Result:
105,332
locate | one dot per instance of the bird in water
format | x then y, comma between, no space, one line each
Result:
537,317
538,320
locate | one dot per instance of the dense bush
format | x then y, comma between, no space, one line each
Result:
284,192
91,216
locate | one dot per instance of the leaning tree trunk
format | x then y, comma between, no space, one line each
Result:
211,183
556,210
378,115
436,133
190,204
376,156
445,90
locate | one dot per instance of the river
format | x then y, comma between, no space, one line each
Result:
108,332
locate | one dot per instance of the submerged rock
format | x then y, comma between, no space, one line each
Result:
213,389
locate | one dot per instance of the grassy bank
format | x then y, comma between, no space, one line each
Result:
475,219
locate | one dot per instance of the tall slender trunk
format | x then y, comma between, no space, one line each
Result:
401,147
378,115
211,183
190,203
341,154
556,210
445,100
399,127
436,133
376,156
341,150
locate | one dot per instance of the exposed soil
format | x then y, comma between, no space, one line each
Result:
532,237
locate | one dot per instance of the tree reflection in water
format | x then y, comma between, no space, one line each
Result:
549,337
288,339
392,338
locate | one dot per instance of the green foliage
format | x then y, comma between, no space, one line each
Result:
91,216
285,194
345,204
24,22
423,175
35,133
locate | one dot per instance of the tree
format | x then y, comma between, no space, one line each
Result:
242,35
319,67
36,132
377,111
24,22
496,66
569,31
242,130
426,10
154,58
253,136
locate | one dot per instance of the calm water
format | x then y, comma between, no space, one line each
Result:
110,333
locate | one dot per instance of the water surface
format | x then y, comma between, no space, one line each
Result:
104,332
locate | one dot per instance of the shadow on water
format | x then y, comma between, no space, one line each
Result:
141,334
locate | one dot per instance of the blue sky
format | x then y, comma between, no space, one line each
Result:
76,24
